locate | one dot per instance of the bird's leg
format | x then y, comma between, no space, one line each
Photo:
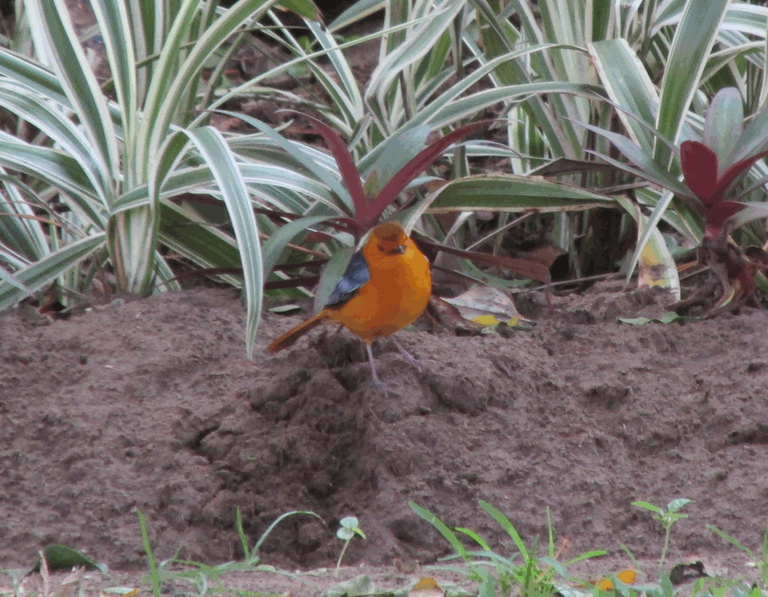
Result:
376,380
408,356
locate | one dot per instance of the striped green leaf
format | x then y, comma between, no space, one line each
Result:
213,148
358,11
56,38
690,50
10,279
43,272
276,244
628,85
115,28
512,193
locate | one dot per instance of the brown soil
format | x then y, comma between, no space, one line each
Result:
152,404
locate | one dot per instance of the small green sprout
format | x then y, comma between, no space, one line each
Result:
667,518
347,530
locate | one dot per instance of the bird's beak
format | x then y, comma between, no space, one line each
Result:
398,250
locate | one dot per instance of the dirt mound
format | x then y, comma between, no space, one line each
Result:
152,404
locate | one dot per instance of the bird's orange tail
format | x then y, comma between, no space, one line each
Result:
294,334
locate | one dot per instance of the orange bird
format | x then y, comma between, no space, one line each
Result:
386,286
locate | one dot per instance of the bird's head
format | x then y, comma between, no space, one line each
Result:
388,239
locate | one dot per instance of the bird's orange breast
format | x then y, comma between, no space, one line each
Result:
396,294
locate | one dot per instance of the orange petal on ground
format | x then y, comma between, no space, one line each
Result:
426,587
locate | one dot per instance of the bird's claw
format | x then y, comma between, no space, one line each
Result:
408,357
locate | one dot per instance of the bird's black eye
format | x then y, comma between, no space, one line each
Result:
381,249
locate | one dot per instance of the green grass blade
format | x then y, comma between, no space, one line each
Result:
244,543
380,165
652,223
58,126
261,176
416,166
731,540
475,537
751,19
510,529
133,236
567,22
285,66
762,102
649,169
133,241
586,556
447,109
444,531
277,521
166,277
753,211
686,221
154,574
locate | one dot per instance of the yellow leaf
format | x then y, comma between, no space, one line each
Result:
625,576
605,585
426,587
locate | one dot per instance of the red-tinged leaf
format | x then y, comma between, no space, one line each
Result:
416,166
349,172
524,267
720,212
734,262
308,282
699,164
449,317
353,226
284,267
348,225
747,280
734,172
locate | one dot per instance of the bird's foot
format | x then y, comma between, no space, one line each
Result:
408,357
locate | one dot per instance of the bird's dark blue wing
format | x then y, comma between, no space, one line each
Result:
356,275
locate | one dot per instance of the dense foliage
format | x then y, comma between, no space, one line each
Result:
109,186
